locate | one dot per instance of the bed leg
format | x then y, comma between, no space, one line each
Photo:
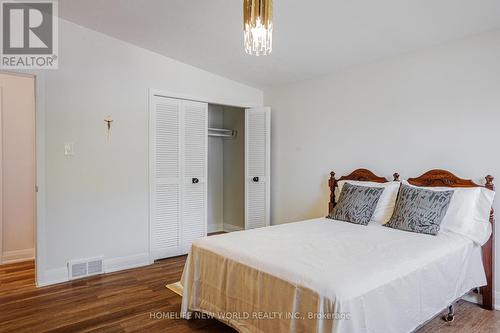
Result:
487,291
450,316
487,294
489,265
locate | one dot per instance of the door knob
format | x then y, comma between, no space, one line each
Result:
255,179
195,180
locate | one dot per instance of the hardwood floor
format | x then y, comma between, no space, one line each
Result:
127,301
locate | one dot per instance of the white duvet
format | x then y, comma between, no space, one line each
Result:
386,280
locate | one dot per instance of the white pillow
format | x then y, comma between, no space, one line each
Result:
386,202
469,211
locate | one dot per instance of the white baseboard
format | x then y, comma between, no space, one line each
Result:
10,257
473,298
128,262
231,227
60,275
218,227
53,276
477,299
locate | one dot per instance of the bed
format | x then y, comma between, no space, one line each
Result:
323,275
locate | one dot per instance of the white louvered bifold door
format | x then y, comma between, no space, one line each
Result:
194,192
165,173
257,167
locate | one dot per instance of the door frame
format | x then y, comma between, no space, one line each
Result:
37,153
1,175
197,98
169,94
40,242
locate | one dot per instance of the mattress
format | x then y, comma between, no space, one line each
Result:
323,275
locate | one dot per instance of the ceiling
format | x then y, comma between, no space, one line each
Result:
310,38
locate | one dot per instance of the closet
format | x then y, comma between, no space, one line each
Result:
209,171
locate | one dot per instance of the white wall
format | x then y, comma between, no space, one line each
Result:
438,108
215,218
96,202
234,170
17,168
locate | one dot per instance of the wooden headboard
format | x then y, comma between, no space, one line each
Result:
445,178
364,175
434,178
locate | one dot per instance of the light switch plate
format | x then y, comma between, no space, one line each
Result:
69,148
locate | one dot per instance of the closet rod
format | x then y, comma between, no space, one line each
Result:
219,129
222,133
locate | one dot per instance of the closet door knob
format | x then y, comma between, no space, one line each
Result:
255,179
195,180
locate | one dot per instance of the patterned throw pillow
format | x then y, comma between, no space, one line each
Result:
356,204
420,210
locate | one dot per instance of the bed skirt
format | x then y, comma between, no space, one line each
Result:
250,300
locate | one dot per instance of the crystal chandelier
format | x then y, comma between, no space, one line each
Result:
258,26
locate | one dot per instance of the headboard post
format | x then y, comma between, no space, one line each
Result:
332,183
489,182
357,175
488,290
